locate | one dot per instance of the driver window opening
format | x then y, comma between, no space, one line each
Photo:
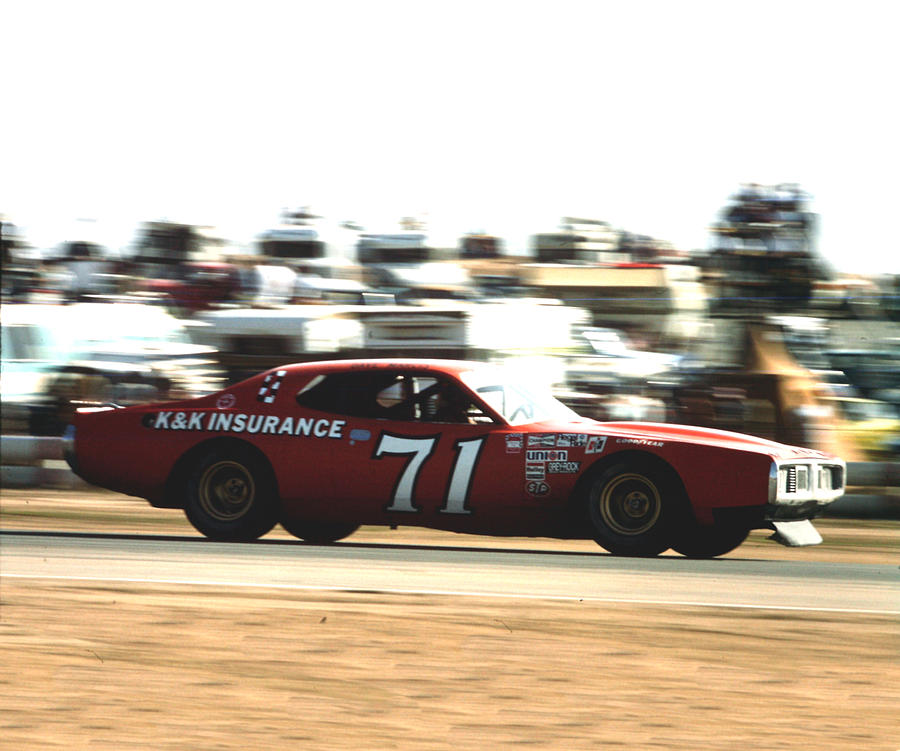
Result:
393,396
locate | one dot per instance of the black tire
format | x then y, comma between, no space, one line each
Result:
231,496
320,533
708,541
632,508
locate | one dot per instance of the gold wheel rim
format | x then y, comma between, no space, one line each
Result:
226,491
630,504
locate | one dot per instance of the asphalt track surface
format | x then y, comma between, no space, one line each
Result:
451,571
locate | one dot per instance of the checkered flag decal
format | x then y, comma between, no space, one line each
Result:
269,389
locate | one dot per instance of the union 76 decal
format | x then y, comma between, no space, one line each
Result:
419,449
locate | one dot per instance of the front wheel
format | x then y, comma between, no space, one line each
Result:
696,541
631,509
231,496
320,533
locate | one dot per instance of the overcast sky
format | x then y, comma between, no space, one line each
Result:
492,116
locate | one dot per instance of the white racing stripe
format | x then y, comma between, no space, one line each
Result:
451,593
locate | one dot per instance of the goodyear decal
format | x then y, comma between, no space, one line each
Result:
640,442
230,422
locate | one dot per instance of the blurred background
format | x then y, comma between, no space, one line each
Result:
666,213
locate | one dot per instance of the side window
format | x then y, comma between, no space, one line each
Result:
406,397
446,402
352,394
391,395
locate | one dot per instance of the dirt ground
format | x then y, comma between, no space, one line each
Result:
94,666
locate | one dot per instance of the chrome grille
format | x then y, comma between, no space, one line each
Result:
790,483
810,480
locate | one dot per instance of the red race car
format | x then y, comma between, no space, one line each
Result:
325,447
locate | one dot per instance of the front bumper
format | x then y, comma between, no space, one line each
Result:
802,488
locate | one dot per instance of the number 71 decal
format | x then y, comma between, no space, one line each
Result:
419,450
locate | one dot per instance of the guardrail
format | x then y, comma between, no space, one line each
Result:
37,462
24,449
869,492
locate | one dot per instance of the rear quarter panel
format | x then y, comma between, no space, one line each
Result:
135,450
114,450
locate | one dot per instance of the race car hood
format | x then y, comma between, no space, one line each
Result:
673,433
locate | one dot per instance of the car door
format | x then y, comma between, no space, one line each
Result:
406,447
416,450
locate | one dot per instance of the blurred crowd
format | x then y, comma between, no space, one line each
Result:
755,334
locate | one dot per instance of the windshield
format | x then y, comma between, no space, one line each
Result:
519,403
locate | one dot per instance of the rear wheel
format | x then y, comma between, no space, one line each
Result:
708,541
631,509
318,532
231,496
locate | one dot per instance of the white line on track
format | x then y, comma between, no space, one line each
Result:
450,593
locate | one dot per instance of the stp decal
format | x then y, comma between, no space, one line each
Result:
537,488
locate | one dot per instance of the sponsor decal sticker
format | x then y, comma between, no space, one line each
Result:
537,488
595,444
563,468
535,470
547,456
571,440
229,422
359,434
514,443
640,442
548,440
271,384
226,401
